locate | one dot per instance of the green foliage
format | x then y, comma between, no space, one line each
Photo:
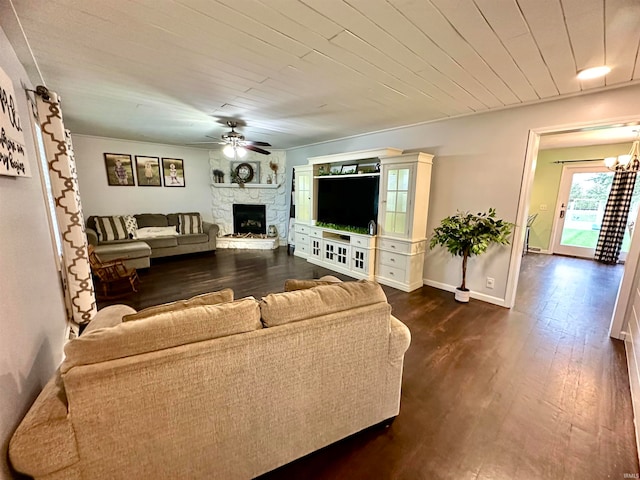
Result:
235,178
345,228
468,234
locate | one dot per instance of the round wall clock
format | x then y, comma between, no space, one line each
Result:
244,171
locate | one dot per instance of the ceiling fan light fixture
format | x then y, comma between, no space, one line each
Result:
229,151
241,151
593,72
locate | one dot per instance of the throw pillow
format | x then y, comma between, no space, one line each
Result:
212,298
131,224
111,228
190,223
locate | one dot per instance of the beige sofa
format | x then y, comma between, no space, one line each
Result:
137,252
216,390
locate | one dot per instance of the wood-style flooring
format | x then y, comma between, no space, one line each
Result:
536,392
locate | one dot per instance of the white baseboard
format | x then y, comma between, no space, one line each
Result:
546,252
477,295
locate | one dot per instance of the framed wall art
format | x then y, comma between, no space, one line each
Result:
148,171
119,169
173,172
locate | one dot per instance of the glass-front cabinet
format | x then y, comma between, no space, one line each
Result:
402,215
304,193
395,208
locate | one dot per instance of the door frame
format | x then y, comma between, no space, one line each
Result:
555,231
531,155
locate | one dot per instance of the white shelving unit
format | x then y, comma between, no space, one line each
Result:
395,256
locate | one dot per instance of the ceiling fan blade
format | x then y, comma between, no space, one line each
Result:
257,149
258,144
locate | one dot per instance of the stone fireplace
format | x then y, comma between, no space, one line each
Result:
249,219
270,197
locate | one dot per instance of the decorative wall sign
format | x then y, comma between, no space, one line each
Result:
247,172
119,169
13,160
173,171
148,170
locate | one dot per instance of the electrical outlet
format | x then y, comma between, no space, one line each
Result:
543,206
491,282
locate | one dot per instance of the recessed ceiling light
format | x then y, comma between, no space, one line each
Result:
593,72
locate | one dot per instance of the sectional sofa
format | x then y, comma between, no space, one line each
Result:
216,388
138,238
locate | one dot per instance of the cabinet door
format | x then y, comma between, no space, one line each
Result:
315,248
303,196
396,199
360,260
329,251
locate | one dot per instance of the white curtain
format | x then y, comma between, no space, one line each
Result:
64,184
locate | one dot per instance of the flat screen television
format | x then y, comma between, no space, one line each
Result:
350,201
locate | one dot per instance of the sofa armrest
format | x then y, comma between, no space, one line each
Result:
92,236
44,442
399,340
108,317
211,229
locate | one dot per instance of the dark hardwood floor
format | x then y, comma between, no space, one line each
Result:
536,392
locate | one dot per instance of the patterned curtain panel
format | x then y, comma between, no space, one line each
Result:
616,214
64,183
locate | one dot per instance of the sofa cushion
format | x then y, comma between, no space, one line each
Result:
174,221
292,284
190,223
211,298
165,330
123,250
111,228
161,242
194,238
281,308
151,220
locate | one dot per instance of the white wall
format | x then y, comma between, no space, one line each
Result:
98,198
479,163
32,319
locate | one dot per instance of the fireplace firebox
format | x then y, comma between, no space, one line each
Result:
249,219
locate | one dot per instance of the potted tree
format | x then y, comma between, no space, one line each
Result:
465,234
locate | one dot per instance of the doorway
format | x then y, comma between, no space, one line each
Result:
623,133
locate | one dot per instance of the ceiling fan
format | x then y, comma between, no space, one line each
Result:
237,145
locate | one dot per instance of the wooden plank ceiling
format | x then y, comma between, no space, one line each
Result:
304,71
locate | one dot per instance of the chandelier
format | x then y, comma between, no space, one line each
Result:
626,163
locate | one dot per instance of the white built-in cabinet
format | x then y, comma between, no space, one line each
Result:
395,255
402,220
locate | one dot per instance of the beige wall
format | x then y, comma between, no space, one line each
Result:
32,319
547,182
98,198
479,163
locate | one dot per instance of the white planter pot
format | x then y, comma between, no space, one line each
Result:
462,296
